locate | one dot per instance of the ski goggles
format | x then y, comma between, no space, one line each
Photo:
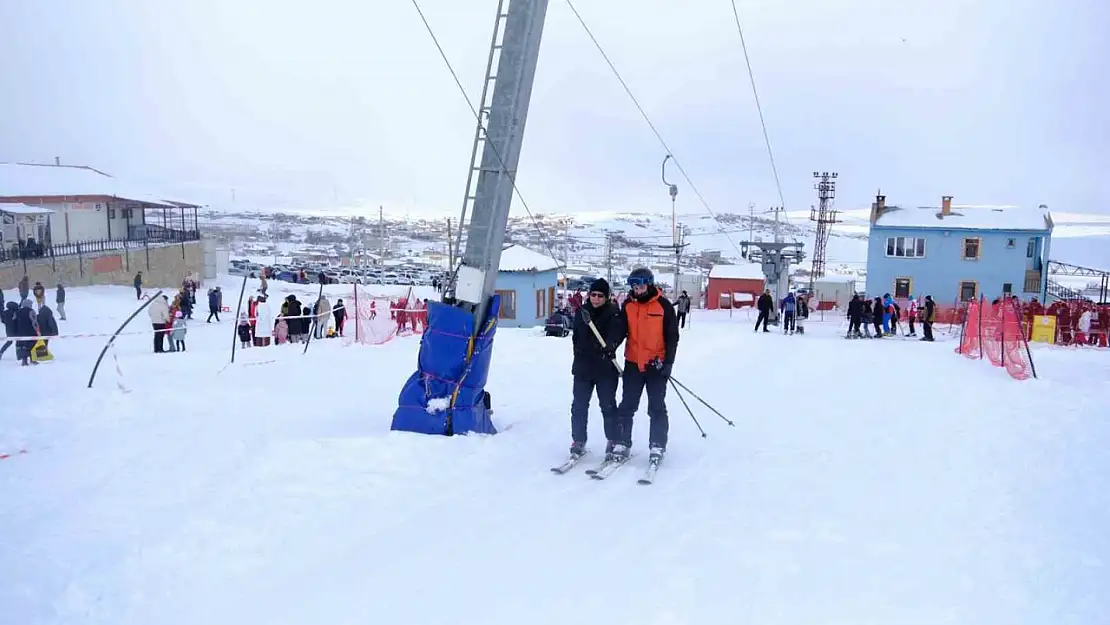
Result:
639,281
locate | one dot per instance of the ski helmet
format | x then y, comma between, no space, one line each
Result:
641,275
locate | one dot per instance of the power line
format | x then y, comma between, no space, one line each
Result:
759,108
488,144
650,124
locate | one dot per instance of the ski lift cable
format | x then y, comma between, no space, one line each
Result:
488,145
651,124
759,109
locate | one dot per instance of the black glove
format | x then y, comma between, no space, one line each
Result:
660,367
609,352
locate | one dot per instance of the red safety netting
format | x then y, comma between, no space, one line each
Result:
995,331
368,319
373,320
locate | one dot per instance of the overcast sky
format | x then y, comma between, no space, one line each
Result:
343,101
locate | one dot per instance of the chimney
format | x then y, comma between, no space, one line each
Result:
878,207
946,205
57,160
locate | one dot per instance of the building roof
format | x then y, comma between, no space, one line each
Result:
517,258
967,217
22,180
835,279
743,271
23,209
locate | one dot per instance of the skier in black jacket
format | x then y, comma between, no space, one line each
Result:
855,316
765,304
593,367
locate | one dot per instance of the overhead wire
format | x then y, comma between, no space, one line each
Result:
759,109
650,124
488,144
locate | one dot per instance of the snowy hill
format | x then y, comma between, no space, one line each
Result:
179,491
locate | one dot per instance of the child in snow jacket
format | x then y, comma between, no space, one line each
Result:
177,335
244,330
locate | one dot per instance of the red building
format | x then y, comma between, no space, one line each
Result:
727,280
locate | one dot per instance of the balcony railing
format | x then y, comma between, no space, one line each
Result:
24,252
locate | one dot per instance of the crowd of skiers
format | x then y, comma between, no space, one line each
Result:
647,323
29,322
884,315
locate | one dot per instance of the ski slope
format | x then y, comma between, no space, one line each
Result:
886,482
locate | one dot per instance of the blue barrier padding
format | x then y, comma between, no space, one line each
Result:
442,368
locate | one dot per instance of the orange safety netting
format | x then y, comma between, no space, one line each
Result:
994,330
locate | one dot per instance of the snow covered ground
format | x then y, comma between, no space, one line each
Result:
886,482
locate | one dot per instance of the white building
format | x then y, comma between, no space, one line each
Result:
81,204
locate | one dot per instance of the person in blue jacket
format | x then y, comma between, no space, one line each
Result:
888,305
789,309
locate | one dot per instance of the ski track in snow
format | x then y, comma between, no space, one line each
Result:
864,482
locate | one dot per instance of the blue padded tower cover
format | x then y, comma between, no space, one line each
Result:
446,394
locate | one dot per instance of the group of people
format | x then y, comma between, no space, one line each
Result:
884,314
294,323
648,326
29,320
794,310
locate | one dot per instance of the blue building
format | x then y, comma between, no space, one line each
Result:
526,282
957,253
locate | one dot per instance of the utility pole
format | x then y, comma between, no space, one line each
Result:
450,248
381,243
751,221
825,216
609,256
566,245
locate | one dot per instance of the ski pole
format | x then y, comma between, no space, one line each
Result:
705,403
600,339
687,406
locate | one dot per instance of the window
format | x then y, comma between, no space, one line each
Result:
903,287
541,304
508,304
968,291
1031,247
905,247
111,212
971,249
1010,243
1007,288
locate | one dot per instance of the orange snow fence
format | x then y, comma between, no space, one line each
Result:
994,330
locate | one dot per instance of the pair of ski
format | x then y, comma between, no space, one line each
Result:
608,467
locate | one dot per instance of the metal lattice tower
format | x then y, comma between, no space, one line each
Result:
511,70
825,215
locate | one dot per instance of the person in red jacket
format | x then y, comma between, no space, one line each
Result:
649,326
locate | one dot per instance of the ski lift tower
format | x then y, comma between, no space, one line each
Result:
446,395
775,257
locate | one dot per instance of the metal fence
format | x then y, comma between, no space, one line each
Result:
24,253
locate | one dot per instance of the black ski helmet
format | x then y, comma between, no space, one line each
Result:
641,275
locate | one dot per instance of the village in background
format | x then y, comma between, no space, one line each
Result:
79,225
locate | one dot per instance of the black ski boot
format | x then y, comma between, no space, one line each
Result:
577,449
